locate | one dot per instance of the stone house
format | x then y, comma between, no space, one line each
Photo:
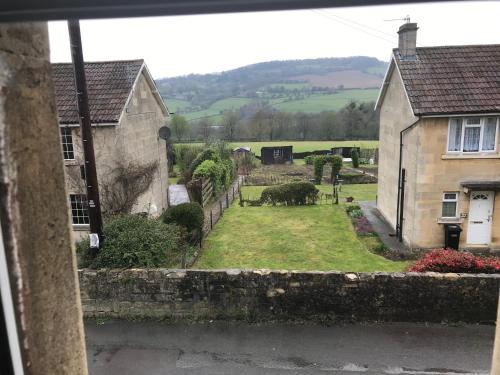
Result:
126,112
439,160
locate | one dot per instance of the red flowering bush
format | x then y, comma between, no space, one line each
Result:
448,260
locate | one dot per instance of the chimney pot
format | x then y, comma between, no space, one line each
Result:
408,41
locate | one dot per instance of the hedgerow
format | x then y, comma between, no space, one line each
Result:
213,171
291,194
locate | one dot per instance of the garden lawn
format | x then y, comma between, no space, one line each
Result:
360,192
318,237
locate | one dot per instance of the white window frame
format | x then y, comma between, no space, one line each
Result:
278,153
464,125
63,142
82,200
455,200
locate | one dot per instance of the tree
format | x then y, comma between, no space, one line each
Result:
179,126
229,121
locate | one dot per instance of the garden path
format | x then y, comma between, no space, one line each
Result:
177,194
381,226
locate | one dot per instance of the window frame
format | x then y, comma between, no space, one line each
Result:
464,125
447,200
82,201
277,153
63,142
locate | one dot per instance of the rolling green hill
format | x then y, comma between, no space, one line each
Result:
311,86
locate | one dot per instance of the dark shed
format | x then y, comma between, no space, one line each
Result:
276,155
345,152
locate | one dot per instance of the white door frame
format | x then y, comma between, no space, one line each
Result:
480,221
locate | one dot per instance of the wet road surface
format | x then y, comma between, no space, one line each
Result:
126,348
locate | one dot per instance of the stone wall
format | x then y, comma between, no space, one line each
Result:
262,295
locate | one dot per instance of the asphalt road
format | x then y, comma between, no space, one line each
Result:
126,348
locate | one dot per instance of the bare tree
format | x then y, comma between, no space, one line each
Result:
179,126
229,121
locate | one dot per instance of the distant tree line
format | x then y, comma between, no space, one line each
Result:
261,122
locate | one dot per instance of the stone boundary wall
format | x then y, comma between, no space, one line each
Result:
257,295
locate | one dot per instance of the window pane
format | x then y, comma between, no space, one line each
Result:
449,209
490,129
450,196
473,120
455,136
471,139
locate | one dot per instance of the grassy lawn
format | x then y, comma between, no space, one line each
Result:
319,237
303,146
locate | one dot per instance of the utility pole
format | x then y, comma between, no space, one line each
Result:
94,205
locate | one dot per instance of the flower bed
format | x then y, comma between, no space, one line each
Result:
448,260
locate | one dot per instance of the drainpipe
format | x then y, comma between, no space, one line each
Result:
399,207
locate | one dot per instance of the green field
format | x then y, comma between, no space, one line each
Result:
290,86
175,105
328,102
303,146
216,109
319,237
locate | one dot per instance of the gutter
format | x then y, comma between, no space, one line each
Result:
399,206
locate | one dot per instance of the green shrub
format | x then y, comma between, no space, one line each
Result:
188,215
228,172
207,154
355,157
135,241
336,166
319,163
185,154
213,171
309,160
291,194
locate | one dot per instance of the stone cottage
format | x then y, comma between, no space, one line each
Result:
126,112
439,159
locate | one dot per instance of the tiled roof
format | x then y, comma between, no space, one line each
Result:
109,84
452,79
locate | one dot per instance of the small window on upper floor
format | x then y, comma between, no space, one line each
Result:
472,134
67,144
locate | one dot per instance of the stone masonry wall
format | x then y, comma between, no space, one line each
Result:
263,295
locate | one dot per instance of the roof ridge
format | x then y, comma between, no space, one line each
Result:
100,62
455,46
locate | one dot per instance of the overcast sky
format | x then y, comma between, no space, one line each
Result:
181,45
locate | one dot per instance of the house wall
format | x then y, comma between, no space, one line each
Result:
395,115
135,139
438,174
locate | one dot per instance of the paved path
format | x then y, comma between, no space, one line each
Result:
177,194
126,348
381,226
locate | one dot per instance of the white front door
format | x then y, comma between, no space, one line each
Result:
480,218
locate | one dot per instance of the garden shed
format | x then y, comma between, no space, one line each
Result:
276,155
345,152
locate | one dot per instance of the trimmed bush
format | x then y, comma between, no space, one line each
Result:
213,171
135,241
291,194
336,166
355,157
188,215
207,154
185,154
309,160
319,163
448,260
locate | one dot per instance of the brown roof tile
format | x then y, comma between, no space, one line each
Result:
109,84
452,79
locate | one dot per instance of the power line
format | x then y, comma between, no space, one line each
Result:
351,26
